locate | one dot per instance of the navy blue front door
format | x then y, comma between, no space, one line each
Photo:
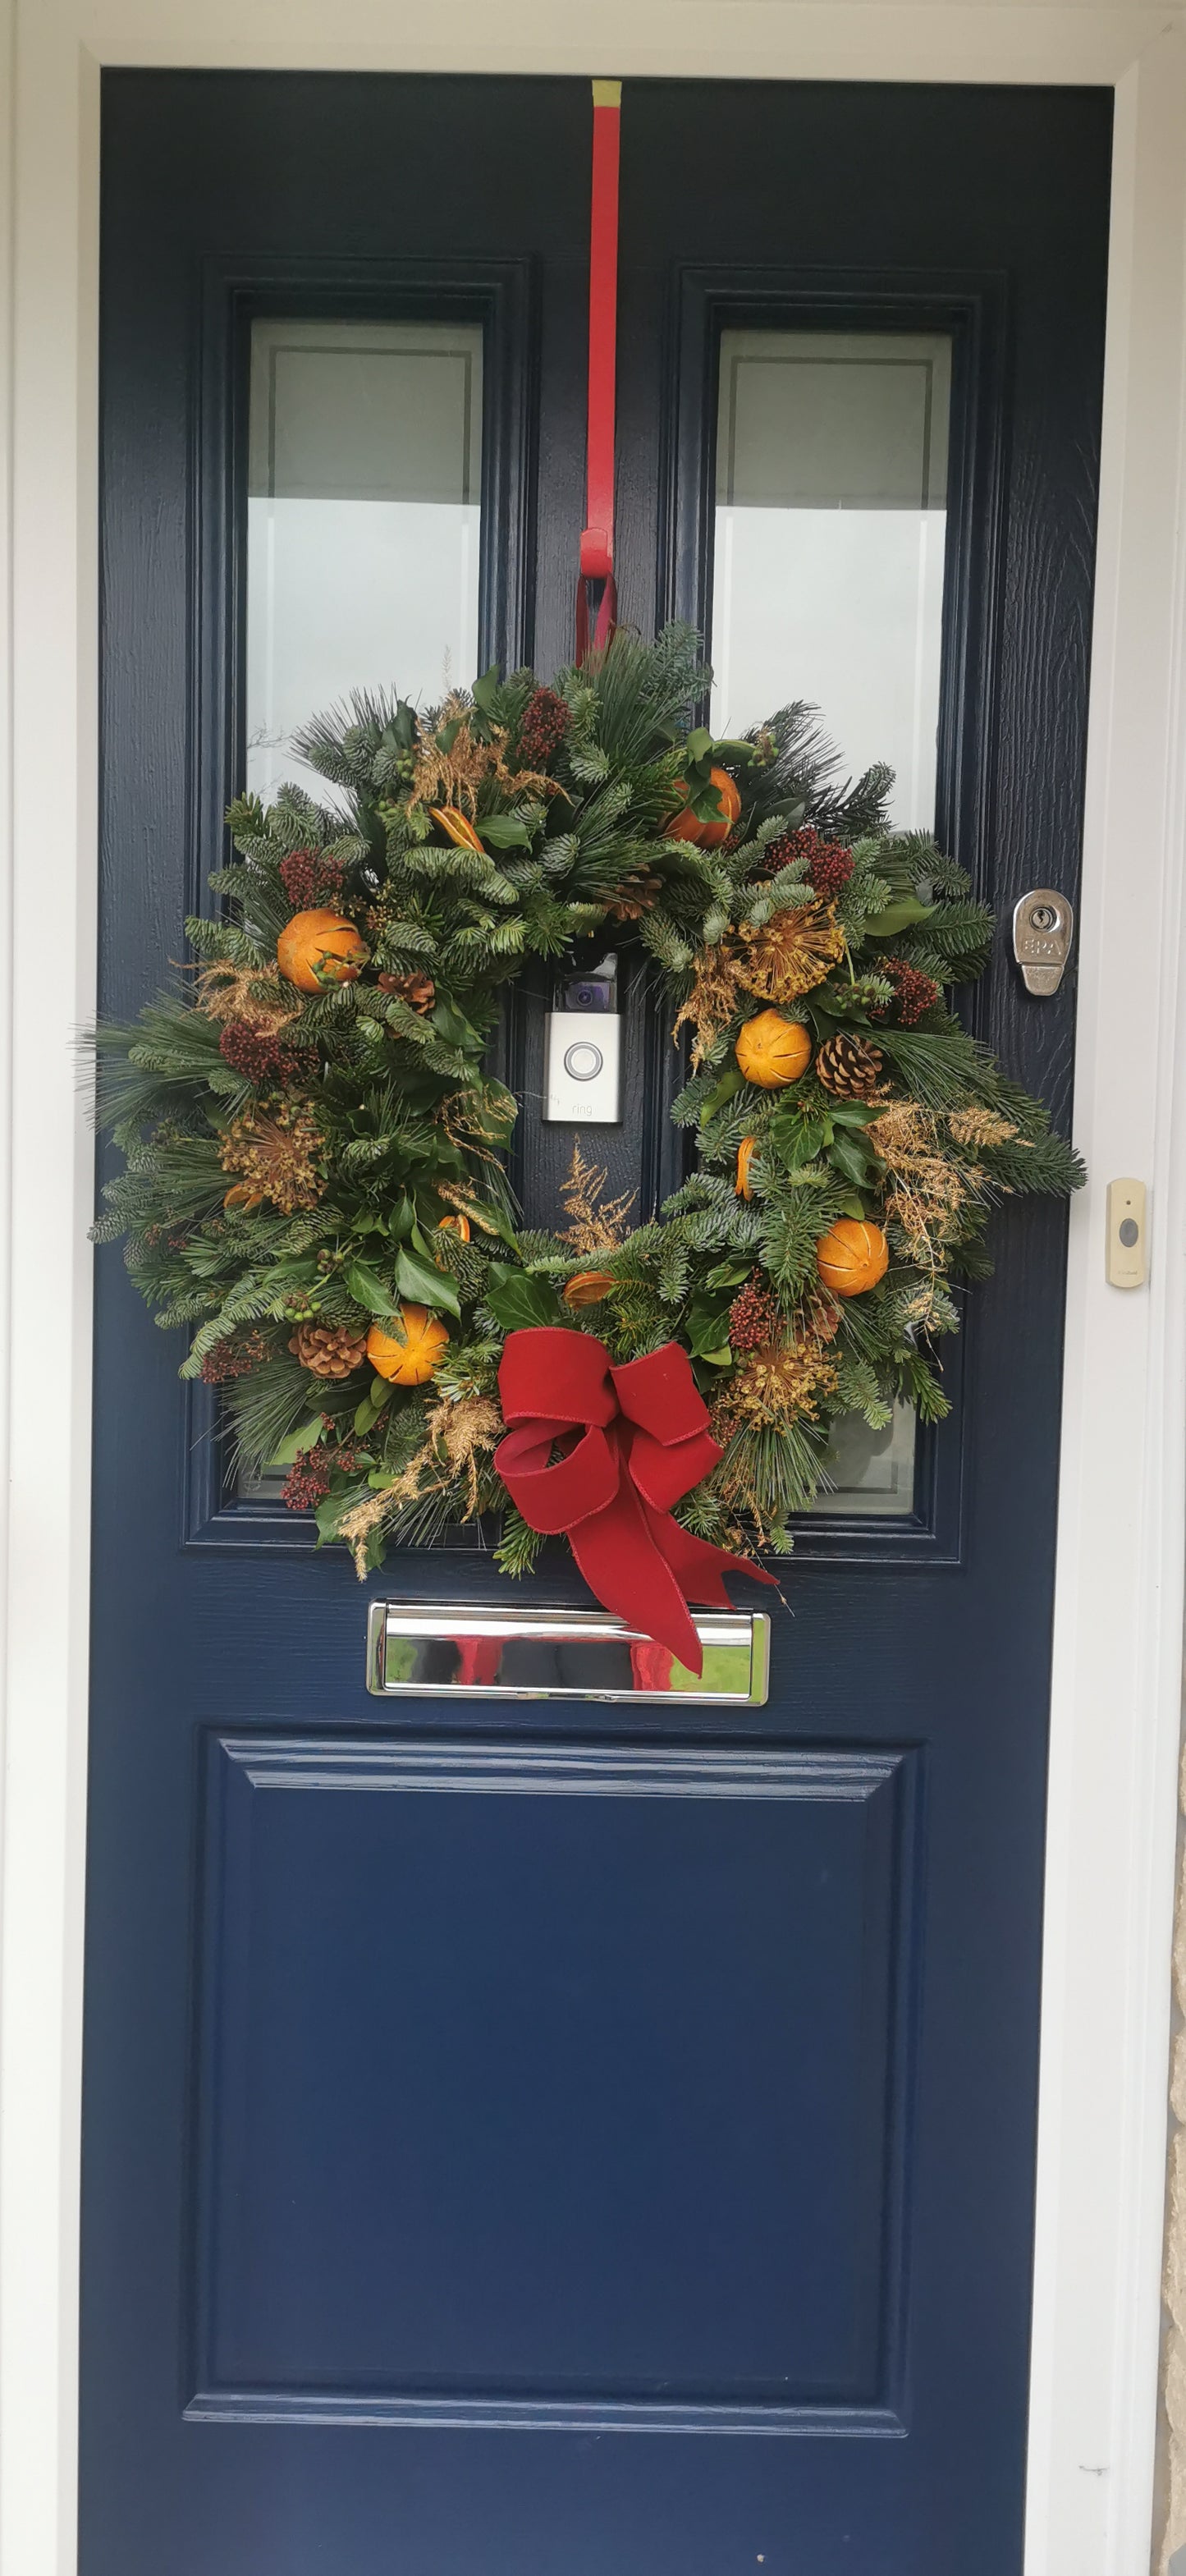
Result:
561,2140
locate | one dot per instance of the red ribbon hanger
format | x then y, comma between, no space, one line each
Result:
597,536
642,1441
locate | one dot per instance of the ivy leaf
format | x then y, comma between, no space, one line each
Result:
706,1326
517,1300
850,1158
485,691
423,1282
372,1405
903,915
722,1091
306,1436
487,1217
368,1289
452,1025
505,832
334,1509
796,1140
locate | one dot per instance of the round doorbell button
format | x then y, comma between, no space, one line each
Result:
583,1061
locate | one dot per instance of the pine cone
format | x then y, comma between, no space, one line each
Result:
329,1350
850,1067
418,991
634,896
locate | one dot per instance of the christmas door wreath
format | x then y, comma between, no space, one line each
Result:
315,1185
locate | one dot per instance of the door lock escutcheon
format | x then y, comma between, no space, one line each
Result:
1043,928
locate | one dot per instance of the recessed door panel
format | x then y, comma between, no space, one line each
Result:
402,1940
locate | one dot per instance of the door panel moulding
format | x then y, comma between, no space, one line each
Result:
1115,1715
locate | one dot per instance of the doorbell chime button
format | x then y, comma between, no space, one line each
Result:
1043,928
1127,1237
581,1081
584,1062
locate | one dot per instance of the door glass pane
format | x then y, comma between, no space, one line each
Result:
364,501
363,518
831,512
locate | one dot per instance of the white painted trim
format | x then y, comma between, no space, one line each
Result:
1117,1664
1119,1596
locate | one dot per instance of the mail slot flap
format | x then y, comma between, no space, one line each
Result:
474,1650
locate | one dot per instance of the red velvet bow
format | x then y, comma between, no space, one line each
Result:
644,1443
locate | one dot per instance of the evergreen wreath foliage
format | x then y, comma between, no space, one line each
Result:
312,1176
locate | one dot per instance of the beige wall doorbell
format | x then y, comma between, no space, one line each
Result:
1128,1260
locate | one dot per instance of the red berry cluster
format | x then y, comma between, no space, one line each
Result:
914,993
545,721
236,1357
829,863
256,1053
754,1319
307,1481
311,878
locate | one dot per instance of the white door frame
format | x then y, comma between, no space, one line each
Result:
1122,1522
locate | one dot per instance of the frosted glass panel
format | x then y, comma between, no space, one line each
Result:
870,1472
831,517
364,499
830,527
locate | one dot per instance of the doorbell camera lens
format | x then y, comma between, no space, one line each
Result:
589,993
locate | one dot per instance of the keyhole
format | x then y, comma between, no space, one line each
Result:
1043,917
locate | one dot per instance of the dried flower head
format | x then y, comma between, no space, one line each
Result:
927,1189
717,986
278,1148
450,773
773,1386
251,995
791,953
459,1436
979,1127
